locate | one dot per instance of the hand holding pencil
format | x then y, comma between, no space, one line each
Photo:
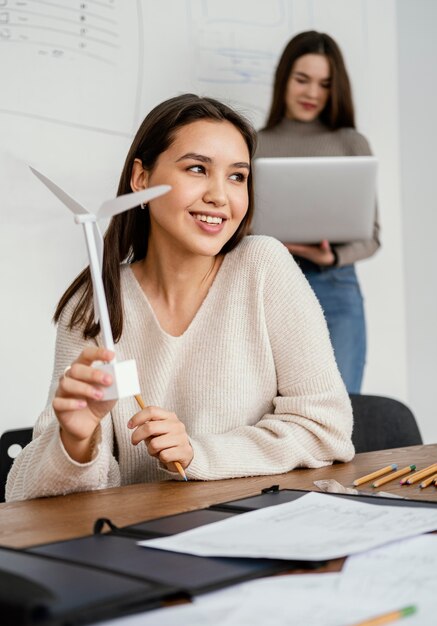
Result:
163,434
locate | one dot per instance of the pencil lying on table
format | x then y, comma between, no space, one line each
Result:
428,481
431,469
387,479
380,472
179,467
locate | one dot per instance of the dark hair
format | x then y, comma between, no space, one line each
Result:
127,236
339,110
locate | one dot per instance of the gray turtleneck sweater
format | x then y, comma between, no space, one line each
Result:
291,138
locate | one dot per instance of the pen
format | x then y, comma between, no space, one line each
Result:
388,617
179,467
431,469
401,472
380,472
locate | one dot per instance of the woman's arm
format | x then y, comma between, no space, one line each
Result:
44,467
348,253
311,423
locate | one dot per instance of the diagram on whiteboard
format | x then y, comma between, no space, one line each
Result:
72,62
236,47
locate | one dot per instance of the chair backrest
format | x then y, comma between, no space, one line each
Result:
381,423
9,450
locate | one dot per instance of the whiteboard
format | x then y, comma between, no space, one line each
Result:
78,78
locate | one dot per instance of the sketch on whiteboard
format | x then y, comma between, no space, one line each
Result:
72,62
235,49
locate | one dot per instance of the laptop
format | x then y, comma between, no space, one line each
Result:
308,199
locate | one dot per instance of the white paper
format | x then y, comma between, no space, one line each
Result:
400,574
314,527
309,599
182,615
249,603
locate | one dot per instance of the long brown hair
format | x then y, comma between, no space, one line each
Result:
339,110
126,239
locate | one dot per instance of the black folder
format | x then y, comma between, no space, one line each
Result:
158,574
37,589
191,575
107,574
118,551
273,495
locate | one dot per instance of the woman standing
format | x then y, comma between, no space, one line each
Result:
312,114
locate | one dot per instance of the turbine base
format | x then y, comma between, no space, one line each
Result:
124,379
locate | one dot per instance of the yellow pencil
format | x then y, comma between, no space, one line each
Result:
428,481
431,469
380,472
179,467
388,617
403,480
387,479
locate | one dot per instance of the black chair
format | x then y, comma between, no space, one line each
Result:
381,423
20,437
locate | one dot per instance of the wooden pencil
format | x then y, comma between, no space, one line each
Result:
431,469
179,467
387,479
386,618
380,472
428,481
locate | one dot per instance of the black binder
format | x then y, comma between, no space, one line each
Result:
106,574
36,589
273,495
118,551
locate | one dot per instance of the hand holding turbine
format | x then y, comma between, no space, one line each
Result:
124,373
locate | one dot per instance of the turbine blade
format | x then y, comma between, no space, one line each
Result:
131,200
74,206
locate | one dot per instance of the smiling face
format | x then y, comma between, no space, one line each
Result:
308,87
207,166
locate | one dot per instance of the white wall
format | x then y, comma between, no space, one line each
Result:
71,111
417,44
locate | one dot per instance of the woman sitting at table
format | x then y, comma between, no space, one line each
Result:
234,358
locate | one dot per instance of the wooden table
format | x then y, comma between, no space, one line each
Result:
23,524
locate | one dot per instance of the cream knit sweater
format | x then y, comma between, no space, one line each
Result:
253,378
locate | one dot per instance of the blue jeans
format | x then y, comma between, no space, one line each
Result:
340,296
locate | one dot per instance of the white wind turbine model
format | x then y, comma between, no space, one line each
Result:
124,373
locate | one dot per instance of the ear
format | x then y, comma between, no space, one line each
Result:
139,179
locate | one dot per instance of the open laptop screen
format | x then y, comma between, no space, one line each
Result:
308,199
